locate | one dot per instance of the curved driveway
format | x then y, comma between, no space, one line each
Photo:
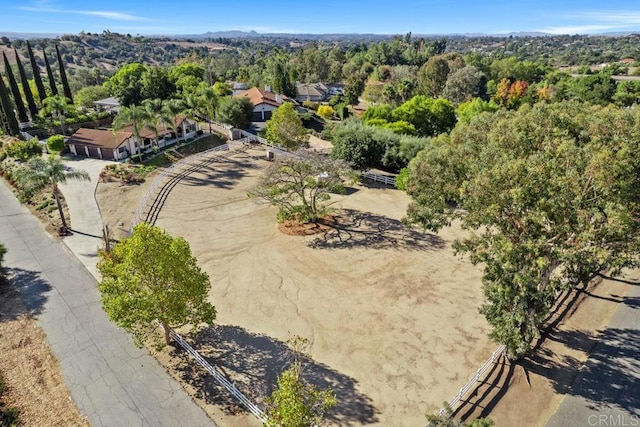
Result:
111,381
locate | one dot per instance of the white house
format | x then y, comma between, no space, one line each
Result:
264,102
314,92
101,144
109,145
110,104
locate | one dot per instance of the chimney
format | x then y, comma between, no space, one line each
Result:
267,88
278,98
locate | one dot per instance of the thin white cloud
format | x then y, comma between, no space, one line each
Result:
117,16
594,21
618,17
580,29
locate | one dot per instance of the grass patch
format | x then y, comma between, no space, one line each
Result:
167,157
204,143
159,161
9,416
44,204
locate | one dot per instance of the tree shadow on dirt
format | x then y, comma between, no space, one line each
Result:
355,229
222,173
253,362
599,381
33,289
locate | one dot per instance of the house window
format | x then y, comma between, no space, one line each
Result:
122,149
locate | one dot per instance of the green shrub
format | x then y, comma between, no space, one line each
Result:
24,150
310,104
401,179
55,144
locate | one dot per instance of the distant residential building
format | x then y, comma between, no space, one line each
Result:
264,102
237,87
314,92
110,104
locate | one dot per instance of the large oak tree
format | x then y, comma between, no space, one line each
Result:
551,194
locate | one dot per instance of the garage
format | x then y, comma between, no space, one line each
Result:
100,144
107,154
94,152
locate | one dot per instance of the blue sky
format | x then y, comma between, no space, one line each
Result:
324,16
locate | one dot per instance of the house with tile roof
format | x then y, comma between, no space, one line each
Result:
101,144
264,101
314,92
109,145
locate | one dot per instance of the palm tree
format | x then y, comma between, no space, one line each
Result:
41,173
135,116
155,112
172,109
193,106
209,100
58,106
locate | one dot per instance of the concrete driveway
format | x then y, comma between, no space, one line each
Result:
84,212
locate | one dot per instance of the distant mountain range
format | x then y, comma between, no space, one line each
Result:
317,37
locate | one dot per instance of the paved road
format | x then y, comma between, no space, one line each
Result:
111,381
607,390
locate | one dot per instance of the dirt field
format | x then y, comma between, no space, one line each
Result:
31,373
391,313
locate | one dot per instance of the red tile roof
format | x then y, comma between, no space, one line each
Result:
258,96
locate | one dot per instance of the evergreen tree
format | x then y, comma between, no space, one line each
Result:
17,97
33,109
52,82
63,76
36,74
7,116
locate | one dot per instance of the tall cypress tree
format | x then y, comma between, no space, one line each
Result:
63,76
17,98
33,109
52,82
7,116
36,74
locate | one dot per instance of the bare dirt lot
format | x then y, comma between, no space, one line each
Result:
391,313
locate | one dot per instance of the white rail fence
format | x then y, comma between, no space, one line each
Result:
219,377
385,179
484,368
222,128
